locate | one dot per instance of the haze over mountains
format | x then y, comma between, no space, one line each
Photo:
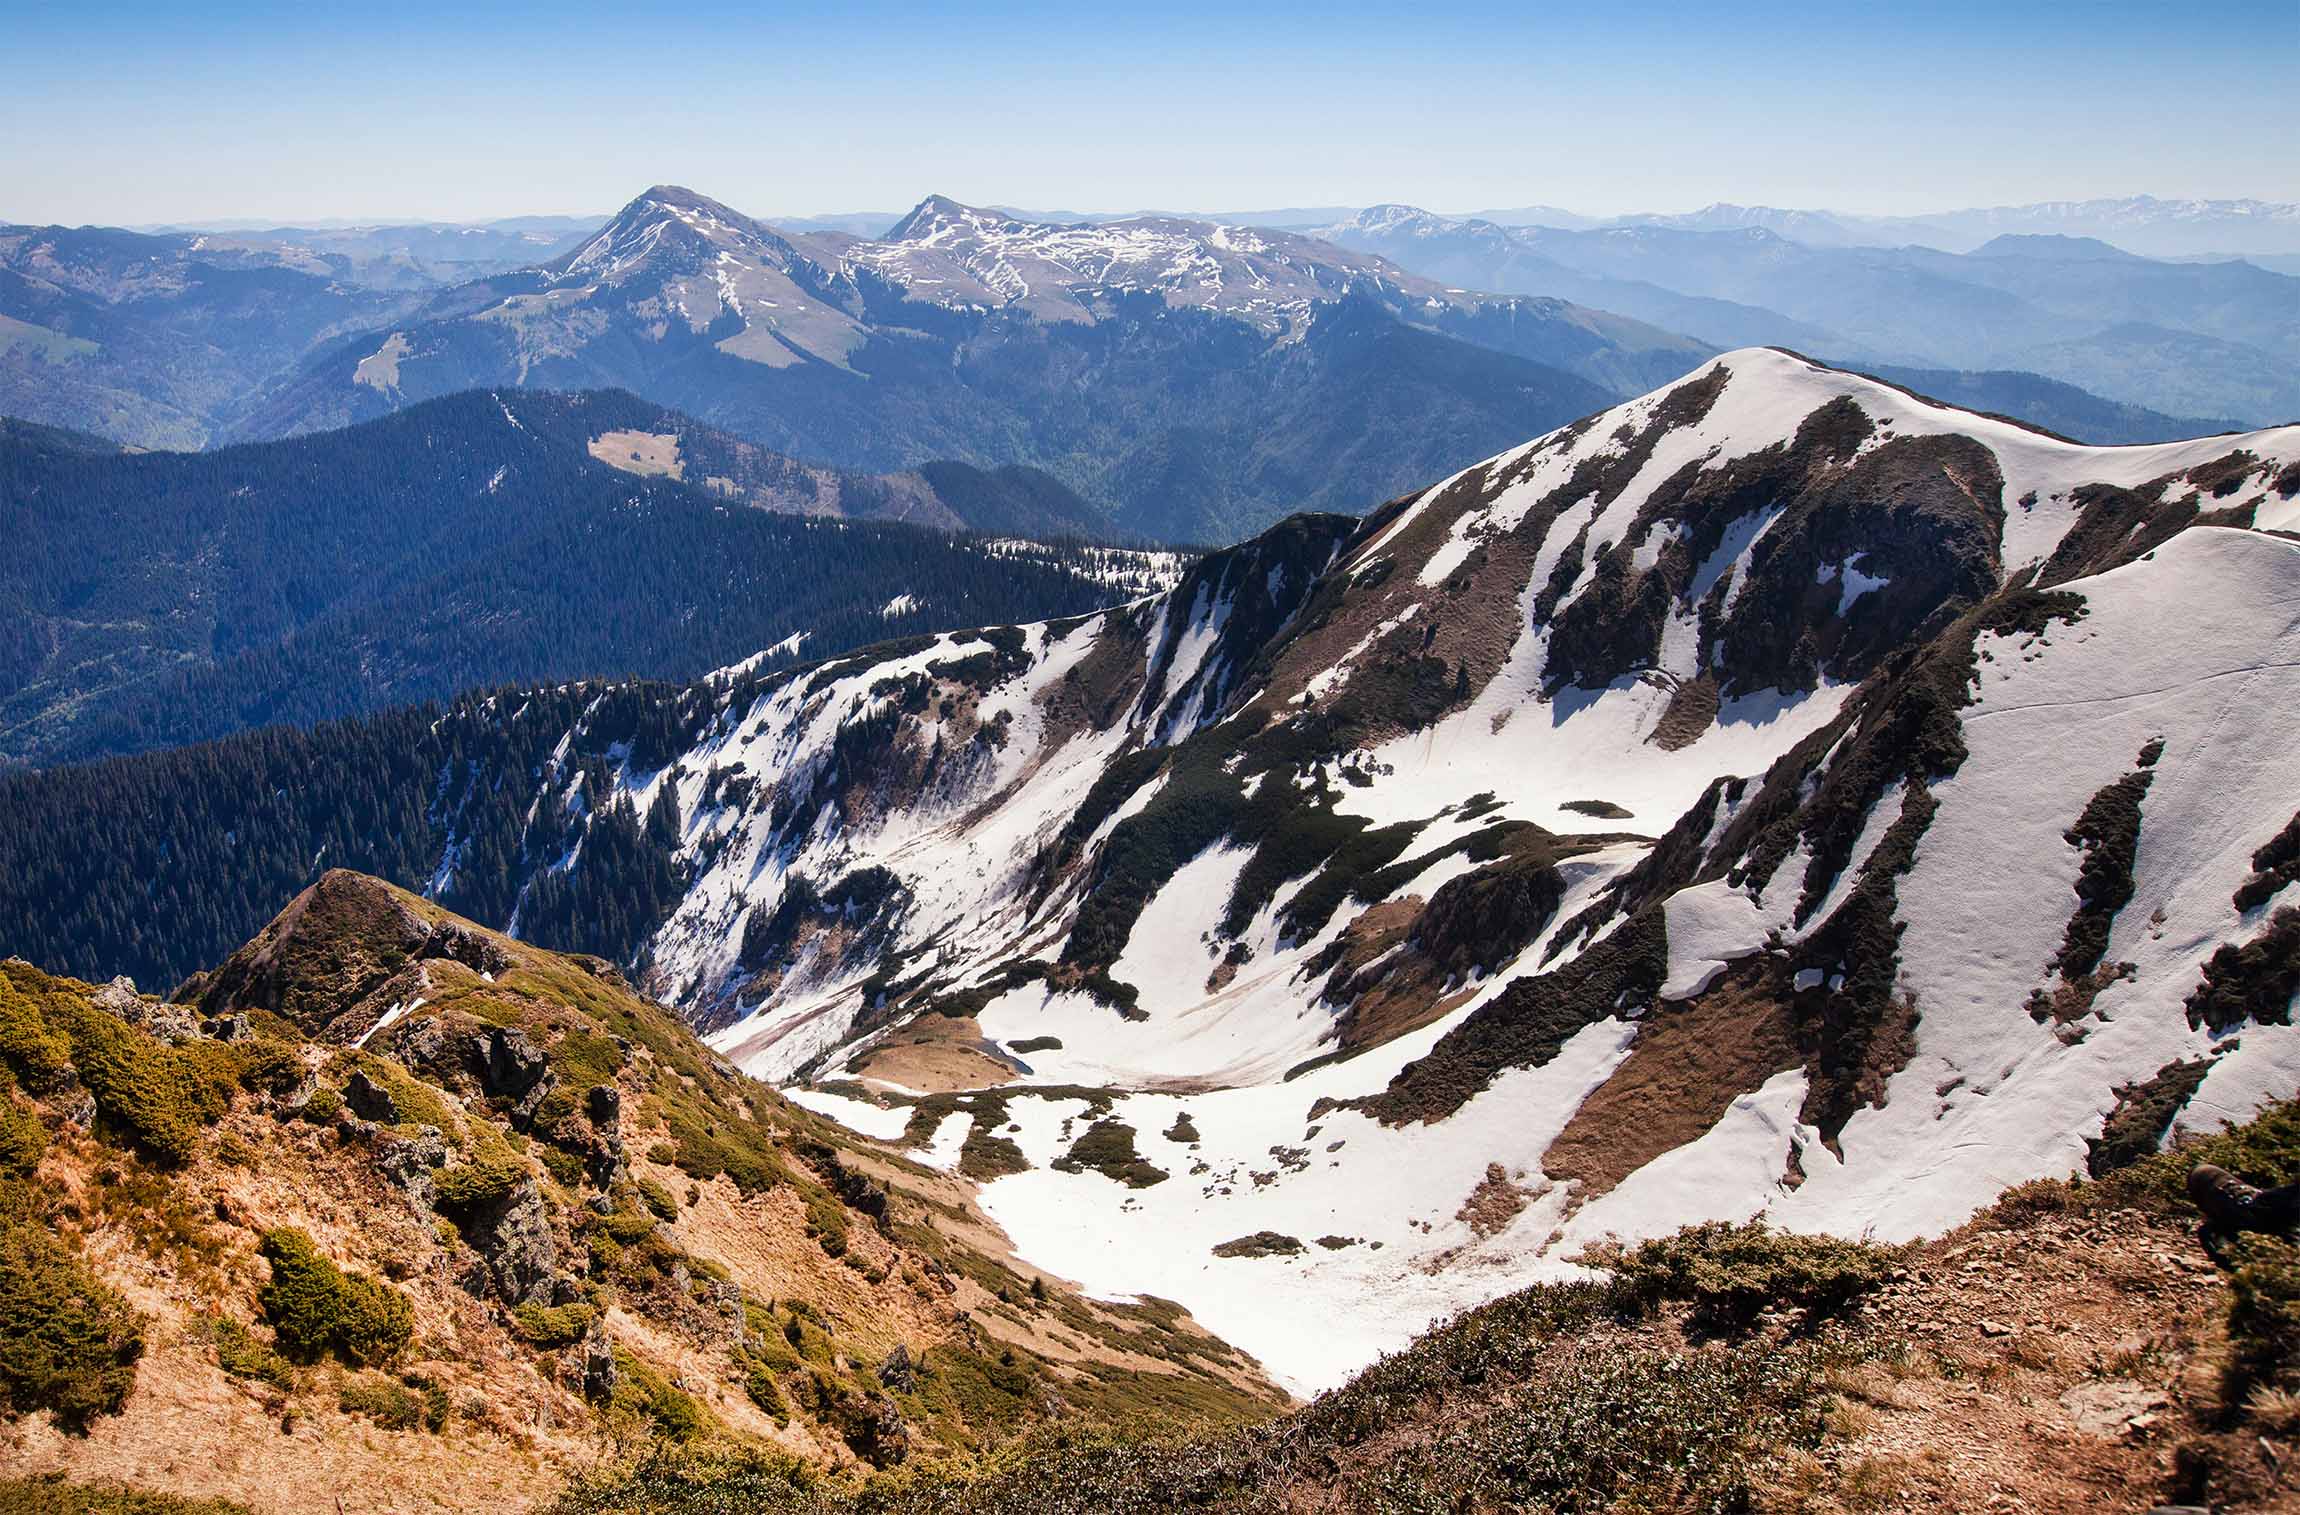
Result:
2184,338
1190,379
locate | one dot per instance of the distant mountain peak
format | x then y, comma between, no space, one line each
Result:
2054,245
1391,216
939,215
670,226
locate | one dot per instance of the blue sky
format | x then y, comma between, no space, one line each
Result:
153,112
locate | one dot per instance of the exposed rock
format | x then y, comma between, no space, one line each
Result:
514,1063
2111,1406
370,1100
514,1236
897,1373
410,1162
600,1375
170,1023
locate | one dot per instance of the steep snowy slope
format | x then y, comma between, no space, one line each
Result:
1778,794
1837,643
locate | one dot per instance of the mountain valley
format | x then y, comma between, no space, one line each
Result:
1467,963
1271,905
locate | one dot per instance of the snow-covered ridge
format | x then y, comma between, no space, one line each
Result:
1410,961
960,255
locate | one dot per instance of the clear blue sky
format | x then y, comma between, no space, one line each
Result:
144,112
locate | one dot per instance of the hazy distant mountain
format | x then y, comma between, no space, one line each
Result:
151,339
415,255
2181,339
1195,379
2136,223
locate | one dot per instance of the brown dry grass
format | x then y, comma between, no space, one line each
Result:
1683,1072
648,453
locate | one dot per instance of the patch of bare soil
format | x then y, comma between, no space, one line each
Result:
937,1055
1691,710
1684,1071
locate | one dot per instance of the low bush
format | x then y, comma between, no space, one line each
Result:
1729,1272
553,1325
316,1307
827,1223
241,1355
402,1405
69,1344
322,1109
485,1180
53,1496
638,1388
658,1199
2263,1319
23,1139
159,1098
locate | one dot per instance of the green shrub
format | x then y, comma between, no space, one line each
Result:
627,1226
268,1065
553,1325
487,1179
323,1108
68,1343
759,1382
640,1388
23,1140
827,1223
316,1307
34,1049
396,1406
658,1199
241,1355
53,1496
1729,1273
2263,1317
159,1097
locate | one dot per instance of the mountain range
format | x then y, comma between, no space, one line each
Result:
1189,379
2144,224
1774,797
2183,339
1195,380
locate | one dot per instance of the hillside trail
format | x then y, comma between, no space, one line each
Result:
2063,1365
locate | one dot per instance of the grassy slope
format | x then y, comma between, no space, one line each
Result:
752,1269
2074,1350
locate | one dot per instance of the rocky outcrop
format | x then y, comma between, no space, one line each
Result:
340,955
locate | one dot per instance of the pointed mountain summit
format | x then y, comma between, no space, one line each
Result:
670,228
937,214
